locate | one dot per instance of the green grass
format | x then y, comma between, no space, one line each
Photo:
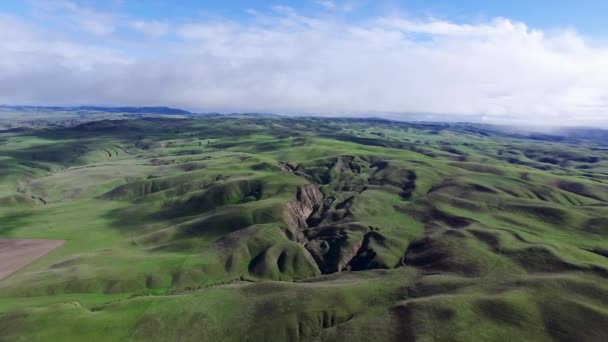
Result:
177,230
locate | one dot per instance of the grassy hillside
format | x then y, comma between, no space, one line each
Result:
270,228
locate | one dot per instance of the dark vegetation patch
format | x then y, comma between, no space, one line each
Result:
568,320
599,251
409,318
217,195
586,190
441,253
489,238
10,222
541,259
434,217
547,214
65,153
500,311
481,168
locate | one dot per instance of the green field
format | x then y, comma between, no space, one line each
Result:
256,228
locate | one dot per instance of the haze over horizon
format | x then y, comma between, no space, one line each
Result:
532,62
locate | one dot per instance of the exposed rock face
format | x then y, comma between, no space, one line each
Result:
325,223
335,246
297,211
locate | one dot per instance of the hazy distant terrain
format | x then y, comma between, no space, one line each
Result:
258,227
19,117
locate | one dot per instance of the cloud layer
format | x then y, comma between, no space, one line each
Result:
282,61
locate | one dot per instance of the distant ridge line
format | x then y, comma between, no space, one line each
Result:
131,110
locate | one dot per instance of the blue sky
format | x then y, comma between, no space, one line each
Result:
587,16
529,62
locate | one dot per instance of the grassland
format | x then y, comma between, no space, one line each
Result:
270,228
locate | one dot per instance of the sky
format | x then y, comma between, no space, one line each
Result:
534,62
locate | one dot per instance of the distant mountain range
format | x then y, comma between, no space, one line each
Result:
129,110
556,134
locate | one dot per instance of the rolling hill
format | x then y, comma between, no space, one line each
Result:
271,228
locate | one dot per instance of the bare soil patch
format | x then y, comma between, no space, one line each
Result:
18,253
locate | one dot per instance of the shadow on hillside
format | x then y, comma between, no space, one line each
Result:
10,222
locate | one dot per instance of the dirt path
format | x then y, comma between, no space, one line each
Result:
17,253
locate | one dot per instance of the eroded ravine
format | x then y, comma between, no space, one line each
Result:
325,224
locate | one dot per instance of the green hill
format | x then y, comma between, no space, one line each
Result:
272,228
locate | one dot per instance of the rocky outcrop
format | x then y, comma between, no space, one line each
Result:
297,211
335,246
324,222
332,246
325,230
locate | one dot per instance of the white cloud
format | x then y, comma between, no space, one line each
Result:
152,29
87,19
330,5
327,4
286,62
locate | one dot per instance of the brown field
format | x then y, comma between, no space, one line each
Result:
16,253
